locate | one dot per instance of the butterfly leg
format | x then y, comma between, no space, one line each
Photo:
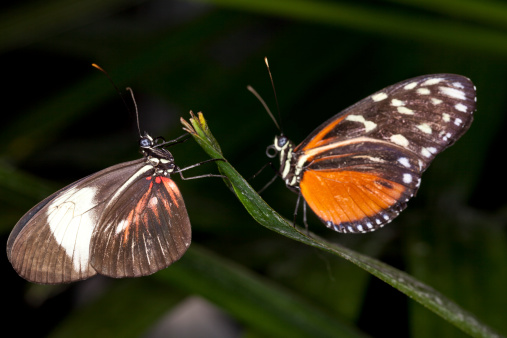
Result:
296,211
304,213
261,169
304,217
268,184
271,181
196,165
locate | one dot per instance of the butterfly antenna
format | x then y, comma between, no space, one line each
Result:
253,91
136,110
274,91
121,96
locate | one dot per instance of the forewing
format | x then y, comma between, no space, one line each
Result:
142,231
51,243
366,162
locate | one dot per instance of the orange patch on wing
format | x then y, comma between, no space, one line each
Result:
317,140
129,220
172,189
348,196
137,212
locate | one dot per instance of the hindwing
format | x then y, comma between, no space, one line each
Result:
145,230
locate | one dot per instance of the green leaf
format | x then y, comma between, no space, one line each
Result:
255,301
267,217
390,22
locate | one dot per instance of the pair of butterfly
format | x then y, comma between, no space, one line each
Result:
356,171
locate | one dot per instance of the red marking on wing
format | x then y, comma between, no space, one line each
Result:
172,189
129,221
135,213
150,200
348,196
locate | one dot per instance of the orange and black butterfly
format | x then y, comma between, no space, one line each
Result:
358,169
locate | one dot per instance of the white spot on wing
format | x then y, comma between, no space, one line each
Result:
153,202
425,128
368,125
425,152
399,140
411,85
446,117
407,178
461,107
454,93
370,158
71,222
423,91
121,226
379,97
404,162
458,121
436,101
458,85
432,82
405,110
397,103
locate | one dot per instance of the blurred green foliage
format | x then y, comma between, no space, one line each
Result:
62,120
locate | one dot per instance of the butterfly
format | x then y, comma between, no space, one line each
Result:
358,169
128,220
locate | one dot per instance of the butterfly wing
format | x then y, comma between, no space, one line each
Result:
144,229
359,168
52,243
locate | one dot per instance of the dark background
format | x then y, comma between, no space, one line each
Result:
62,120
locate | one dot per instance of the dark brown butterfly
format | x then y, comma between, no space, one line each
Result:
128,220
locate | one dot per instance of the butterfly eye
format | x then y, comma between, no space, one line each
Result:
271,151
282,141
145,142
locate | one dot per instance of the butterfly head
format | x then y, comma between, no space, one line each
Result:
160,158
284,148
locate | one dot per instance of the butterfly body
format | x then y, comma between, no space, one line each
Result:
127,220
358,169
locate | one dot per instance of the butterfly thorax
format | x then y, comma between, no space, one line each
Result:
285,150
160,159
